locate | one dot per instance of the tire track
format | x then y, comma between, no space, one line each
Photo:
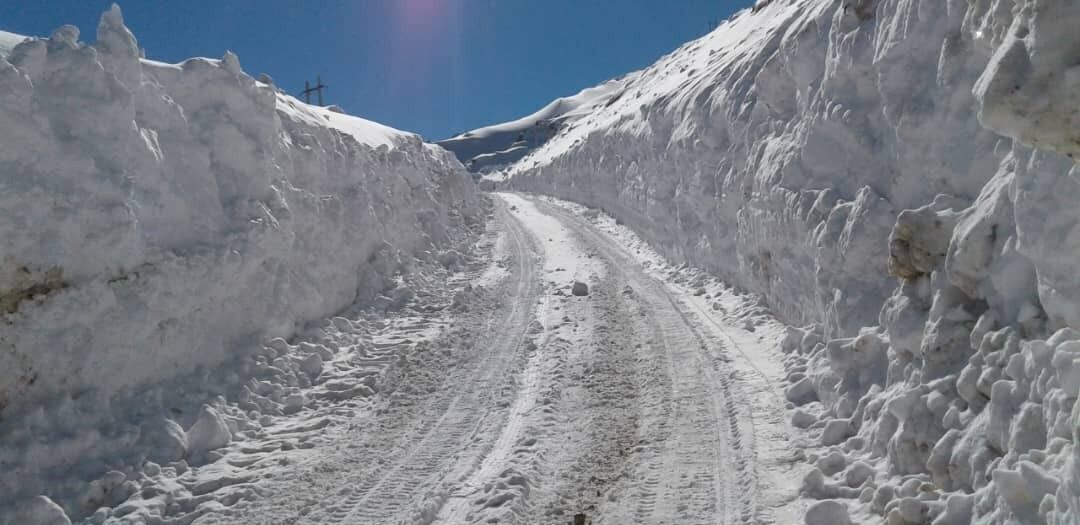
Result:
703,468
450,434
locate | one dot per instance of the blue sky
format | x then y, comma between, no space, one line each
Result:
436,67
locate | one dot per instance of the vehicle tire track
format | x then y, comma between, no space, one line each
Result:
701,470
450,432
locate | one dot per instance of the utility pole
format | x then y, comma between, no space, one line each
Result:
318,89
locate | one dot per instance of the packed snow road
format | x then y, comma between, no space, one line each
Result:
538,400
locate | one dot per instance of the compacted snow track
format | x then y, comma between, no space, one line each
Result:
692,466
454,430
536,404
625,410
442,403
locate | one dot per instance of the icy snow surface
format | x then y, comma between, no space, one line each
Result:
895,176
160,222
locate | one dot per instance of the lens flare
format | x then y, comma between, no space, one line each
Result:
425,44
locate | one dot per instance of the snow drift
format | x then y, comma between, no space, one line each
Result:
897,176
157,219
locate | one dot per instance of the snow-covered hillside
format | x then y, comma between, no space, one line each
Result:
498,146
9,41
158,220
897,177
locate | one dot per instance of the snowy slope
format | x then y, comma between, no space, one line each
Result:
894,175
159,219
9,41
497,146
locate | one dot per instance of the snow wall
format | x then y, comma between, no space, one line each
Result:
156,219
897,176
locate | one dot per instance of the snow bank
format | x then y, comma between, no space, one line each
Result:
895,176
158,218
1030,90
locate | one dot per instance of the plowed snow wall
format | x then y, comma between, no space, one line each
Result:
154,218
899,176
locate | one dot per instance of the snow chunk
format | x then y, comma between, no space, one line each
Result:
209,432
836,431
802,419
1031,87
828,512
65,35
801,392
920,237
167,439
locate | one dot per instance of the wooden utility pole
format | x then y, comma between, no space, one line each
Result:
308,90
